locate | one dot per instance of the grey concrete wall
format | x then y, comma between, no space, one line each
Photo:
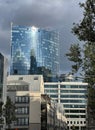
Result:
34,126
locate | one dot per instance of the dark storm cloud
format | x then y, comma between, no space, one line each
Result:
44,13
59,14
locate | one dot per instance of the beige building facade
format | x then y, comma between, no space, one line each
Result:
27,92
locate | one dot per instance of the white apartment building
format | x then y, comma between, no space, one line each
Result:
73,97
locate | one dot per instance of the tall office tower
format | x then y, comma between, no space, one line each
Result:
34,51
3,76
72,95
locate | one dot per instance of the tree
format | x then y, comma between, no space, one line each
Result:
89,63
85,31
74,55
1,114
9,112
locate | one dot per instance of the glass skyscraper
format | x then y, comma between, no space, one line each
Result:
34,51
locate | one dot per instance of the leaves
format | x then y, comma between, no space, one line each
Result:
74,55
1,113
85,30
7,111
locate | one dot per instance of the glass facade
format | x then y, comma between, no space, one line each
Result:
34,51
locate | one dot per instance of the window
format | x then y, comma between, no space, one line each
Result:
80,122
22,110
75,116
51,91
73,96
22,99
71,122
35,78
18,87
73,86
73,91
51,86
73,101
22,121
75,111
54,96
74,106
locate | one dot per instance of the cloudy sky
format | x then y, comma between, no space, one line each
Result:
55,14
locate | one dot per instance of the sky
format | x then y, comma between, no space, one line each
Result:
54,14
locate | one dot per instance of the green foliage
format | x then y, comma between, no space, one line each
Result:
85,30
74,55
9,112
91,96
89,62
1,112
